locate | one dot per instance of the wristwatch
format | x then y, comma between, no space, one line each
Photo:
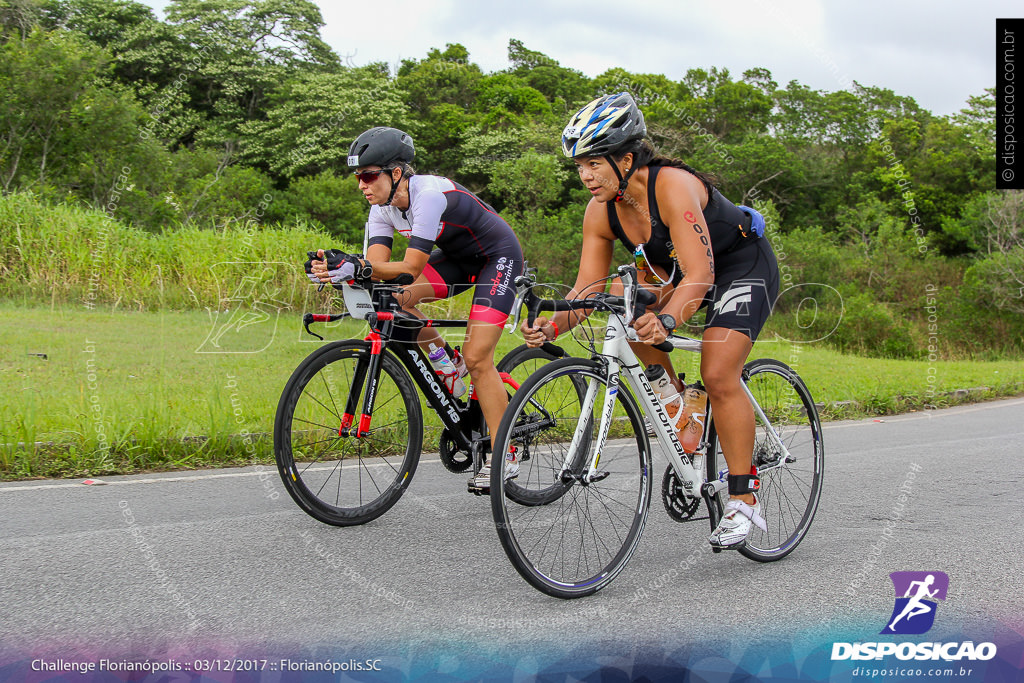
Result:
668,322
363,269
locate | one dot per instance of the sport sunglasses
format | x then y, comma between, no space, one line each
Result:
368,176
651,277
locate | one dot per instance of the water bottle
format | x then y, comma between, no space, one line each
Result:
460,365
446,370
460,362
695,411
665,391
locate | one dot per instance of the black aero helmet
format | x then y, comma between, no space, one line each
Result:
603,126
381,146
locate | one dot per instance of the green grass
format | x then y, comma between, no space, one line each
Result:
69,255
159,391
154,387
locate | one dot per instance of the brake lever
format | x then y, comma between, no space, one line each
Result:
517,306
523,284
307,320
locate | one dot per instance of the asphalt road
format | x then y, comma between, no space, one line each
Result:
223,563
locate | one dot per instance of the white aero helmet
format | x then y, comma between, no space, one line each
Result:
603,126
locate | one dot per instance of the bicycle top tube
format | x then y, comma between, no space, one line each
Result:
633,302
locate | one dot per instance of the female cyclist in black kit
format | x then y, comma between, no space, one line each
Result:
699,248
456,243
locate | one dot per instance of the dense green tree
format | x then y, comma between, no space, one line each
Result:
43,83
507,101
557,83
103,22
224,57
312,119
19,17
442,78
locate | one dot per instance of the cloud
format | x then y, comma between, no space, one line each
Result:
939,55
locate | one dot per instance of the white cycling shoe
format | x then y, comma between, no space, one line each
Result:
736,523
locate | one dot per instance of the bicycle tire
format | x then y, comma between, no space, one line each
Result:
521,363
315,461
591,549
790,488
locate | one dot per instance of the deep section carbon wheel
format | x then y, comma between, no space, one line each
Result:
335,475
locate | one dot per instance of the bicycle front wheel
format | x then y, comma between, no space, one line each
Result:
521,362
333,475
582,527
789,455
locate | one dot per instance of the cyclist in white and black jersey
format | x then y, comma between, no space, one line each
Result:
456,242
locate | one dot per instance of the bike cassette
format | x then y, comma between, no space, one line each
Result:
453,459
679,505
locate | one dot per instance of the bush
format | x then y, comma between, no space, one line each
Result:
551,242
870,328
995,282
331,203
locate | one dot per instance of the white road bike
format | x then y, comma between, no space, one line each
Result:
578,428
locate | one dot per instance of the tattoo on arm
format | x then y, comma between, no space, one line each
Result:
703,238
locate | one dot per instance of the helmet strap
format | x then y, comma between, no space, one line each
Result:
623,181
394,186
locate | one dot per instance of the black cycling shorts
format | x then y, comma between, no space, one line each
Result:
493,281
746,287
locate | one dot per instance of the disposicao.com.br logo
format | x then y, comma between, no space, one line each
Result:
914,613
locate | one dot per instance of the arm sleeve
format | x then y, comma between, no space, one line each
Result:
378,229
427,210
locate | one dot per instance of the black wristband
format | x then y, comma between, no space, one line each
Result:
363,269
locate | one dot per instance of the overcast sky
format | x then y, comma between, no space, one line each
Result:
939,53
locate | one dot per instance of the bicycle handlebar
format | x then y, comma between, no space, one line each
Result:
310,318
642,298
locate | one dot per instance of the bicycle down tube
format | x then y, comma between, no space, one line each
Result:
622,360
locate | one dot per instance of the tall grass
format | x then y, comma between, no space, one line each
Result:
68,254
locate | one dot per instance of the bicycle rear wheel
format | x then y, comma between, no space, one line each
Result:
523,361
574,536
345,480
519,363
790,481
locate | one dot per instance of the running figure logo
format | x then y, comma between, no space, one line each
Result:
916,595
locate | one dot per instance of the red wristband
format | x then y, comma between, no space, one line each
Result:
556,330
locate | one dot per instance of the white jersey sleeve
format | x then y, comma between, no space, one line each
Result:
421,222
427,204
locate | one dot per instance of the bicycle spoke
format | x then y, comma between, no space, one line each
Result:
581,538
366,475
790,483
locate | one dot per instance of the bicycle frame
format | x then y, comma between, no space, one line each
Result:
620,359
458,416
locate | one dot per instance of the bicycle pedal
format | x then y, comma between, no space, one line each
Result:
734,546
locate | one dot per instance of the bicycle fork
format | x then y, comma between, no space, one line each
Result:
367,369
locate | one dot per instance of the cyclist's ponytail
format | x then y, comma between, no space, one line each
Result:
644,155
